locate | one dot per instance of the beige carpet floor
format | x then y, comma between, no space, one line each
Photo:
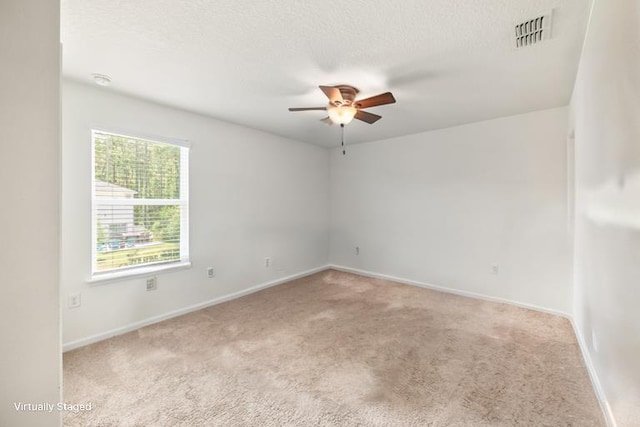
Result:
335,349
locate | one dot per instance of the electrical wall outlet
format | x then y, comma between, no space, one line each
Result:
211,273
74,300
495,269
357,250
152,283
267,262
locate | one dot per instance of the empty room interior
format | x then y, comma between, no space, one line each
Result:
320,213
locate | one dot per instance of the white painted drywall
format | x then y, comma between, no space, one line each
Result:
252,195
443,207
29,168
606,116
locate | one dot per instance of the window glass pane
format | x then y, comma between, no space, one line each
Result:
140,216
135,168
135,235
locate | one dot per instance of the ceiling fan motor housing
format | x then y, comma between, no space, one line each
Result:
348,94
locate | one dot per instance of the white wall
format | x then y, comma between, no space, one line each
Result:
606,115
29,169
443,207
252,195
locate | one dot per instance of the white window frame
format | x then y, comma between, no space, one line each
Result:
145,269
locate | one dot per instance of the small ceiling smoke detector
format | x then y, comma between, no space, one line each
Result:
101,79
533,31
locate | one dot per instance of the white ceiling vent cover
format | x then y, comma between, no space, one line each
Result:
533,31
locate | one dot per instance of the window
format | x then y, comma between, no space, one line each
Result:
140,205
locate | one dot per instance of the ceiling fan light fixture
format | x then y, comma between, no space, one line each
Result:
342,115
343,107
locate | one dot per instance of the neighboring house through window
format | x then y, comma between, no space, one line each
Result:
140,205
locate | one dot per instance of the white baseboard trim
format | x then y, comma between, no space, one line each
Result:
593,376
597,386
448,290
179,312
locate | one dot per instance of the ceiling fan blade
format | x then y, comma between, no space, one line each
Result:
374,101
327,120
367,117
307,108
333,93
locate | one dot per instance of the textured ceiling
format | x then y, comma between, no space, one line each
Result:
447,62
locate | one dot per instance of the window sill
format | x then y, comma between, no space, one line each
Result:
120,276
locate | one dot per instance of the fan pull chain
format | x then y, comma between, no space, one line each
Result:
342,128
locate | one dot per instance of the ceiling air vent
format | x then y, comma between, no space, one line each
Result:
533,31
